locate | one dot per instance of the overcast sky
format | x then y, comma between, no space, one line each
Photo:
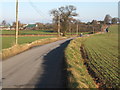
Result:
31,11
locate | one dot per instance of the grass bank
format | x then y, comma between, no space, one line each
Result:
99,56
78,76
16,49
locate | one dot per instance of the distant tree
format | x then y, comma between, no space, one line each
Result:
70,25
88,23
114,20
13,24
19,24
107,19
4,23
94,22
40,25
49,26
64,13
119,20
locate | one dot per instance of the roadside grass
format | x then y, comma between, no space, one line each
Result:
10,40
102,51
78,76
16,49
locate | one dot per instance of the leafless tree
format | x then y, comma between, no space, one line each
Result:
64,14
4,23
107,19
114,20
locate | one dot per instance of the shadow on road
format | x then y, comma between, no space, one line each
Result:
54,75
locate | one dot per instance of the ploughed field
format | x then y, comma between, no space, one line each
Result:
102,57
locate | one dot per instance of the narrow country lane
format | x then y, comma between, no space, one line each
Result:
39,67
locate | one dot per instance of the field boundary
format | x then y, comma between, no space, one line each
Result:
77,74
16,49
90,71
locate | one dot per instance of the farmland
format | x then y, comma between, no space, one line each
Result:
34,32
10,40
26,36
26,32
102,57
99,54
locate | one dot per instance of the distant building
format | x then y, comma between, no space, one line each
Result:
101,22
5,27
98,22
30,26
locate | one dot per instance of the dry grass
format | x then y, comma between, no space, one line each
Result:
16,49
78,76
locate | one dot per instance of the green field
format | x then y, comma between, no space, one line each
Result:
25,32
102,51
33,32
10,41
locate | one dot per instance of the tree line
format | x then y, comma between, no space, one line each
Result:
109,20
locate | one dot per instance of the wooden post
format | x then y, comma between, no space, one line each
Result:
59,25
70,28
77,29
16,37
93,30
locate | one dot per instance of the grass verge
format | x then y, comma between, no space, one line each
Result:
78,76
16,49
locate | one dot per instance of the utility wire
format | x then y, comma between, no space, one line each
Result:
41,14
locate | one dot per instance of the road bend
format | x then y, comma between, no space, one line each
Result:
38,67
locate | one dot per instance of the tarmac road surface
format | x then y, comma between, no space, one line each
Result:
39,67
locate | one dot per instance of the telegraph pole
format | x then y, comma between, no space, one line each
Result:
77,28
59,25
16,37
70,28
93,30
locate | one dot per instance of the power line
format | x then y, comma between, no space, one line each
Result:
36,9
